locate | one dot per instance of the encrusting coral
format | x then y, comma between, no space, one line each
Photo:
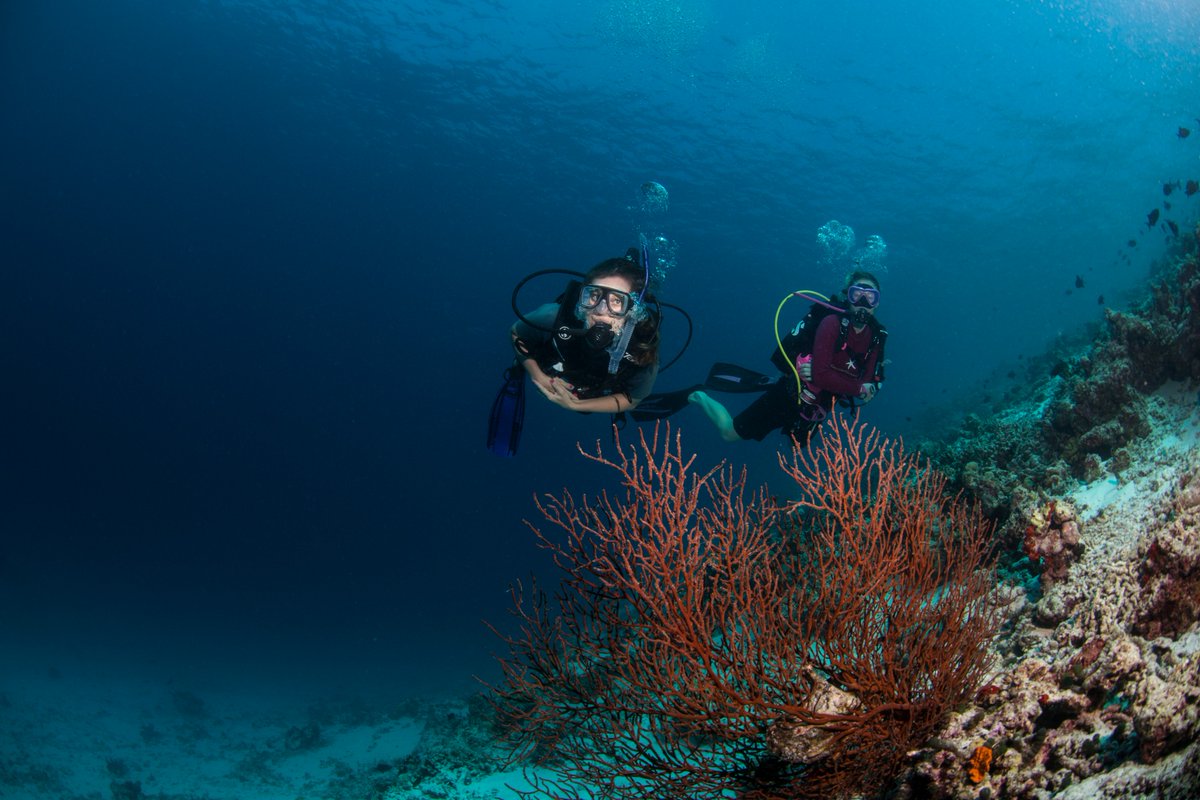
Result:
1052,539
980,764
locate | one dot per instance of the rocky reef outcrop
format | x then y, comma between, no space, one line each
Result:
1076,423
1095,485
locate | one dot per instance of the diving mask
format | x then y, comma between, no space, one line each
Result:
618,303
864,296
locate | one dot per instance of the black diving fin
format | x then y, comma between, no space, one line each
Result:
662,404
732,378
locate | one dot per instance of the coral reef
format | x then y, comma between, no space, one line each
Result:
1095,481
1099,678
1076,423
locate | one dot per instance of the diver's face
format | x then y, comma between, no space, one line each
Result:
863,303
601,312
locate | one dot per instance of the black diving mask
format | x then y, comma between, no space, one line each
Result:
618,303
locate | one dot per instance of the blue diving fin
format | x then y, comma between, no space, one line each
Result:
508,414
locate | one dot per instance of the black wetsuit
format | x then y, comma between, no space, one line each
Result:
577,363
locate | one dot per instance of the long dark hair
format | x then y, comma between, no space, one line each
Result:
643,347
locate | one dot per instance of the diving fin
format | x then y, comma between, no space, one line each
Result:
732,378
508,414
662,404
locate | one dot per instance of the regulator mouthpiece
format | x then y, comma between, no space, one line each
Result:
599,336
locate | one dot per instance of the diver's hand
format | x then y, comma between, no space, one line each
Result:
544,382
559,392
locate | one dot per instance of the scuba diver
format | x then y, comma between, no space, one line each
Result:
595,349
833,356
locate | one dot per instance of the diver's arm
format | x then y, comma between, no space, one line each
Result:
871,388
562,394
535,373
532,331
524,339
521,349
640,386
607,404
529,363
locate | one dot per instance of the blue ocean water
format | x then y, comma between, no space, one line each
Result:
257,260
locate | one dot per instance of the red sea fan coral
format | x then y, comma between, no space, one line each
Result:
707,642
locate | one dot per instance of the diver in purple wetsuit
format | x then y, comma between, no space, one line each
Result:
842,362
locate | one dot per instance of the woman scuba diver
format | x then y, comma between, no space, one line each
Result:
595,349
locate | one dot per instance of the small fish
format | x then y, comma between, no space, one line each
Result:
1100,300
1174,228
1152,218
1183,132
1132,243
1078,281
1190,188
1168,188
1166,206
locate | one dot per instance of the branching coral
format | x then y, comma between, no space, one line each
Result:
706,642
